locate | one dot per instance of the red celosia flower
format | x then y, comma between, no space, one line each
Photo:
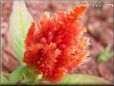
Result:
56,45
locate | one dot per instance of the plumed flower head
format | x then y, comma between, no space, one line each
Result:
56,45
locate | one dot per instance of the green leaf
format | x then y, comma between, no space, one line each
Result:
106,54
39,76
82,79
4,80
22,75
20,21
17,75
27,80
30,76
38,79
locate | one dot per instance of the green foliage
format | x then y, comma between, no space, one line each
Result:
106,54
82,79
17,75
23,75
28,80
30,76
20,21
39,76
4,80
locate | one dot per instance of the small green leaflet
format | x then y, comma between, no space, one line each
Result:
39,76
20,21
106,54
82,79
38,79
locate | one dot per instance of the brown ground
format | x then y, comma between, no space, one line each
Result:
98,21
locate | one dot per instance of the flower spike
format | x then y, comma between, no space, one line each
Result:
56,45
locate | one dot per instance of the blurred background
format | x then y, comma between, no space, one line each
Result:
99,23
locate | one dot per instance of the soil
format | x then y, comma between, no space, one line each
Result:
98,21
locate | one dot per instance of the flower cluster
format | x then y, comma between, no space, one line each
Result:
56,45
